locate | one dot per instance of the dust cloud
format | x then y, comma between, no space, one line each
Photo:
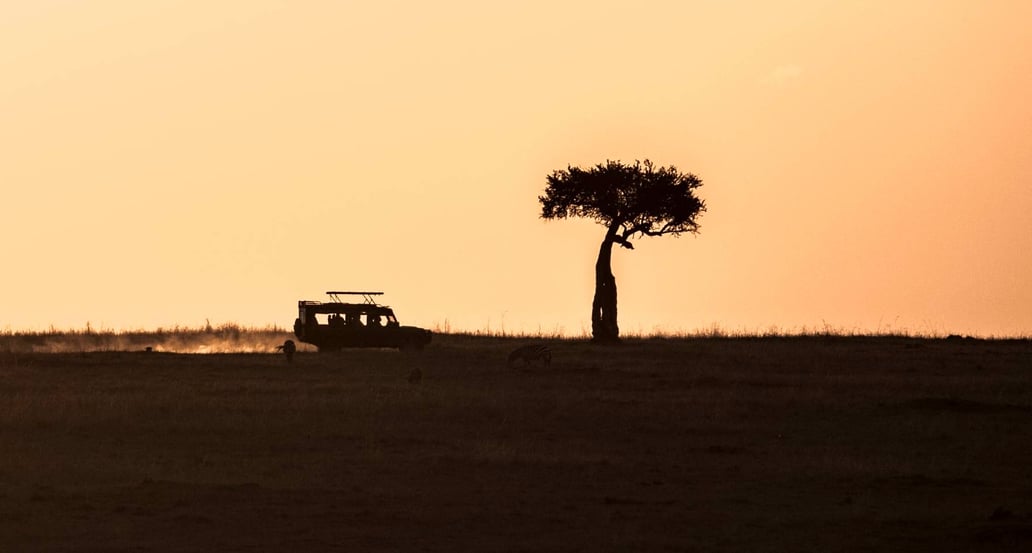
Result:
227,338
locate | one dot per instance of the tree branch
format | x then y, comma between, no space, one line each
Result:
660,232
623,242
630,231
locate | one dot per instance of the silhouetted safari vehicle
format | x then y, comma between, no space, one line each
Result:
335,324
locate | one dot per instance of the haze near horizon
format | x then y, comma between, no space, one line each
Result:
867,165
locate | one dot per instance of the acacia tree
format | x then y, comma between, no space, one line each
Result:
628,200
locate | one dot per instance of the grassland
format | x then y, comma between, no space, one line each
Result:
707,444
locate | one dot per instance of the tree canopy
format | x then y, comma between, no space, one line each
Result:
627,199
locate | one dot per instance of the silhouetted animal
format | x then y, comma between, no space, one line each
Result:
416,376
530,354
288,348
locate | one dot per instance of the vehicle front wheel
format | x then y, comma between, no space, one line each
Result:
411,346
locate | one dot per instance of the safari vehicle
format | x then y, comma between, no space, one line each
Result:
335,324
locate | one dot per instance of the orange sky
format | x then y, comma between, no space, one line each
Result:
868,164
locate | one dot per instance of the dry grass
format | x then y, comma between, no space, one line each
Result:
776,444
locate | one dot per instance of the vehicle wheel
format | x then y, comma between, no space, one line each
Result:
411,346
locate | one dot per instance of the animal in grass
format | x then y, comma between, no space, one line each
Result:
416,376
531,354
288,348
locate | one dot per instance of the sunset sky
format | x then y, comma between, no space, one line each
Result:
867,164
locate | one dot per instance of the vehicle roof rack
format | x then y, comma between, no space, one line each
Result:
366,296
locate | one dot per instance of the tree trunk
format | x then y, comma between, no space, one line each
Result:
603,308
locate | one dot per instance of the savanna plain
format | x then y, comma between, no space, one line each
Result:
812,443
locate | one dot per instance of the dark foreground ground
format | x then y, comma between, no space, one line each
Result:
807,444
